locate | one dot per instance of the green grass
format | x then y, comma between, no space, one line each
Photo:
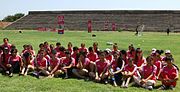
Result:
148,41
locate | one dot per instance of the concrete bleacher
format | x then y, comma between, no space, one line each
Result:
125,19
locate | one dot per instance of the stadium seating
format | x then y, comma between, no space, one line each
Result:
77,20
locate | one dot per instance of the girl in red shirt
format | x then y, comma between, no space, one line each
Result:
147,77
14,63
169,75
129,71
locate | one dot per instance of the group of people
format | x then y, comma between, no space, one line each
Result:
119,67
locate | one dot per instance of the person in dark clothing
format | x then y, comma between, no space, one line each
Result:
168,31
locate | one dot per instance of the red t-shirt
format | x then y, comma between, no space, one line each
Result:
86,63
158,64
4,58
101,66
109,58
92,56
169,73
140,62
7,45
74,55
147,71
131,54
83,49
65,61
57,49
61,54
14,59
129,68
55,62
42,62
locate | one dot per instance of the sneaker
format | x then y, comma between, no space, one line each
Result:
105,81
86,79
11,75
162,87
171,87
36,75
149,87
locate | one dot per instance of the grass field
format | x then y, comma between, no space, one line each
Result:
148,41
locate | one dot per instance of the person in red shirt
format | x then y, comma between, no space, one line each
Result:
41,64
29,49
14,63
128,72
123,55
6,44
61,52
115,48
116,68
131,51
83,48
54,64
157,62
139,59
95,47
4,59
28,63
169,75
67,63
82,68
70,47
91,55
108,55
41,47
58,44
147,77
101,70
75,53
47,47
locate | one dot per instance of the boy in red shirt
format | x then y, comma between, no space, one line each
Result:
169,75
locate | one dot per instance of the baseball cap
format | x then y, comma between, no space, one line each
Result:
167,52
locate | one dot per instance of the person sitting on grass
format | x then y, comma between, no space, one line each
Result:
67,64
139,60
91,55
4,60
83,66
147,77
54,64
41,64
169,75
14,63
6,44
28,63
101,69
116,68
83,48
128,72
